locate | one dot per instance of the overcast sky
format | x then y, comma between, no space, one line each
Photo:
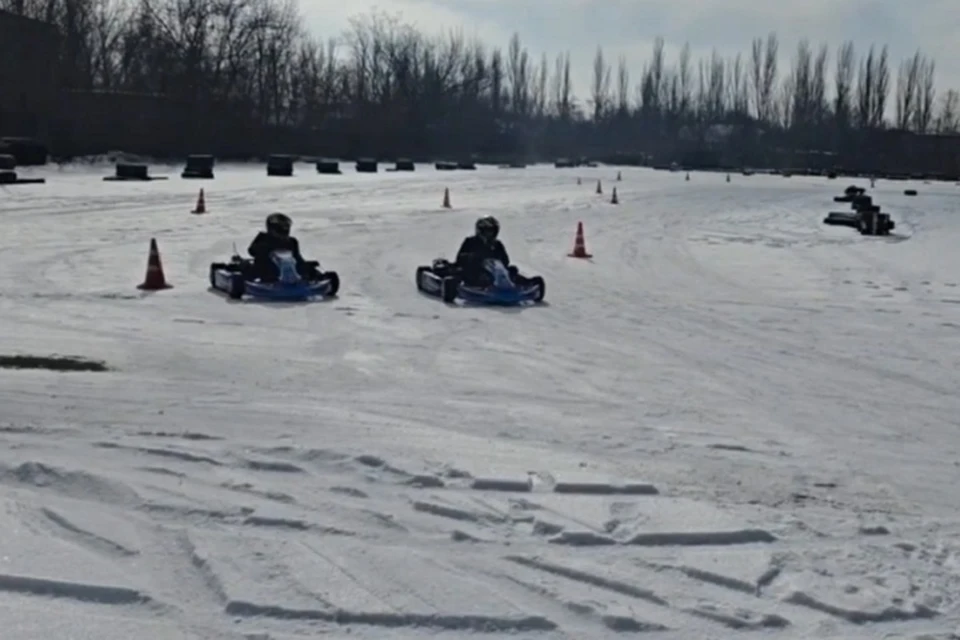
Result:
628,27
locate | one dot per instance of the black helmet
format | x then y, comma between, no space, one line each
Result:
488,228
278,224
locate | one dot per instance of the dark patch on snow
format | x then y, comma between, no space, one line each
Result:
52,363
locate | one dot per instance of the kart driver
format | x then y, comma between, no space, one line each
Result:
481,246
276,238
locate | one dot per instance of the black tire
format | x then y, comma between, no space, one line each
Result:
213,280
334,282
237,287
449,289
541,285
420,272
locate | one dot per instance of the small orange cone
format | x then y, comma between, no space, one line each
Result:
599,188
614,199
619,177
201,204
579,246
446,199
154,280
579,181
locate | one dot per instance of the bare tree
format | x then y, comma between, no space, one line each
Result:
562,88
818,86
948,117
866,85
763,76
800,86
738,94
716,104
600,86
657,70
785,102
685,81
246,74
518,73
496,83
908,77
881,90
843,78
672,98
623,87
539,94
756,77
926,97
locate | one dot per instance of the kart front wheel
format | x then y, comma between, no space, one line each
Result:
541,285
448,289
334,278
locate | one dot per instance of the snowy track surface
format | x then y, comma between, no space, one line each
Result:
734,420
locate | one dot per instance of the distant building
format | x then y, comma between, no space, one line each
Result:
28,88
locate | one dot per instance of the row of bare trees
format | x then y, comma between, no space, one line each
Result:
247,66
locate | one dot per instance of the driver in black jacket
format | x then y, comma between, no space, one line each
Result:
481,246
276,238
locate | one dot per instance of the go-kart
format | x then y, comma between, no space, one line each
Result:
501,285
239,277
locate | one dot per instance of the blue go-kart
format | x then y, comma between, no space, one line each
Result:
238,278
502,285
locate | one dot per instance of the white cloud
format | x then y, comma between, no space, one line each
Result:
629,27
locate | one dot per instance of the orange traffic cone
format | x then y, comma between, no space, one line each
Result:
201,204
614,199
579,246
619,176
154,280
446,199
599,188
579,181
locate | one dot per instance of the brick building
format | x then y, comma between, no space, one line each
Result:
28,88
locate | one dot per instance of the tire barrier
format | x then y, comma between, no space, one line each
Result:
328,166
280,166
199,167
446,166
850,193
866,217
843,219
403,164
874,223
26,151
367,165
132,172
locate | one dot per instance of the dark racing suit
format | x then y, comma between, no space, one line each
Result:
472,254
265,244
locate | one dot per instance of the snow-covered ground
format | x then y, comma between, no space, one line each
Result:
732,420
